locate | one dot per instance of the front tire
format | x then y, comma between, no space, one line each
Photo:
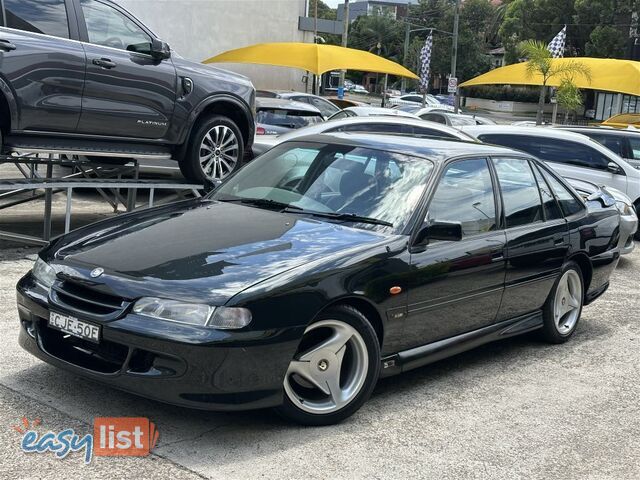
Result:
215,150
334,370
561,312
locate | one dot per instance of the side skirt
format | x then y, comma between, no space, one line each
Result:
432,352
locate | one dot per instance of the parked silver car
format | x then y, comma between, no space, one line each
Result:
373,124
275,115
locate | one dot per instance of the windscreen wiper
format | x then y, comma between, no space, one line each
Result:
262,202
348,217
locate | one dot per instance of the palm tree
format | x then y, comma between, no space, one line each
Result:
541,63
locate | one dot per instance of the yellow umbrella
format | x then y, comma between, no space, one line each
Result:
312,57
620,76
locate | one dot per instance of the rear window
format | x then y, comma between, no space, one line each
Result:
48,17
287,118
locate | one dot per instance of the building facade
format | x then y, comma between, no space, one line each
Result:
200,29
395,9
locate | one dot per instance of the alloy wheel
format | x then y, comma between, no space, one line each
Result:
219,152
568,302
330,370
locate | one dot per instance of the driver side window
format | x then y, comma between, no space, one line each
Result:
108,27
465,195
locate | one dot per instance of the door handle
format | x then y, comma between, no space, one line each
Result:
6,45
104,63
559,241
497,256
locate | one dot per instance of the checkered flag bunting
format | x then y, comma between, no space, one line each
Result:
556,46
425,62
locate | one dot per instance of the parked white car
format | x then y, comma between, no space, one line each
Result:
571,154
371,112
416,99
359,89
628,216
370,124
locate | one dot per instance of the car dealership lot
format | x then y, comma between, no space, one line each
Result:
519,408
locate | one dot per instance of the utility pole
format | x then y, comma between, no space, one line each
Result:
316,87
345,34
407,33
454,52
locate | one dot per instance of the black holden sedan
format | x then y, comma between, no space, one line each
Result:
328,262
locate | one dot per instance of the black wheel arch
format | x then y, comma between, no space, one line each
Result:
365,307
584,262
228,105
8,108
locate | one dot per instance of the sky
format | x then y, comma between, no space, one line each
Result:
333,3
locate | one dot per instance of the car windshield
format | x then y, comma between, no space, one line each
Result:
374,189
287,118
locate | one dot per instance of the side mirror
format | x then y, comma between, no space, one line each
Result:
613,167
160,50
448,231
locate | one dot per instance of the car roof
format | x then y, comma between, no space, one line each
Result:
433,149
379,111
606,130
267,102
291,93
540,131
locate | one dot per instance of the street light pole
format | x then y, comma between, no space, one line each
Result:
454,51
345,34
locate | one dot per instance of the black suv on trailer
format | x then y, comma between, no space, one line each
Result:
86,76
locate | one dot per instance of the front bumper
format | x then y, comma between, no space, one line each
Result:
165,361
628,228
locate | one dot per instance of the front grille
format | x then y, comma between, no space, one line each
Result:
105,357
77,297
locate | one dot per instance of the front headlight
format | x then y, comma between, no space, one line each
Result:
44,273
625,208
193,313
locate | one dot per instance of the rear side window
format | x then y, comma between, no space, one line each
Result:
634,148
613,143
549,204
522,205
48,17
568,202
552,150
434,117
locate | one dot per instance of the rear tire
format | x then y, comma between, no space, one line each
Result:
334,370
562,310
215,150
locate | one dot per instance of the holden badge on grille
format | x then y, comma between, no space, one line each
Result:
96,272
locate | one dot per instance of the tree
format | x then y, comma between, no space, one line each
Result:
370,31
569,97
541,63
606,42
539,19
477,19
